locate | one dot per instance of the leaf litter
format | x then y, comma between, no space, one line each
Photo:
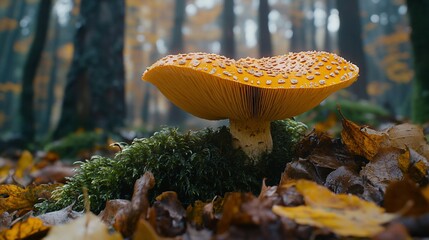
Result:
347,181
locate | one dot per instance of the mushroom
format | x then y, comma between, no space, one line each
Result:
250,92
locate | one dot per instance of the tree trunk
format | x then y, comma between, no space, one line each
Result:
228,23
418,11
351,44
176,116
298,39
94,93
27,123
45,122
264,35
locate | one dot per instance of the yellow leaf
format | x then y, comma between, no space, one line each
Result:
87,227
361,141
145,231
14,197
343,214
24,163
28,228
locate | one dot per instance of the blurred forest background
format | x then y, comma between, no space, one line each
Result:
67,65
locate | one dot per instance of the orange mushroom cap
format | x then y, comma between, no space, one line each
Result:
214,87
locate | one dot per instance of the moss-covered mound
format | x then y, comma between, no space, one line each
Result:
196,165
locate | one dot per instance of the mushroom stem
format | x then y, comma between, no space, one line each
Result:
252,136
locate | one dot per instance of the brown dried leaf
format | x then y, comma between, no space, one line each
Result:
232,211
404,196
52,174
394,231
385,167
112,208
345,180
194,214
301,169
127,218
361,141
409,135
169,215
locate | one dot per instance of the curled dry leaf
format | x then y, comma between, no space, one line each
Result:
345,215
362,141
30,228
168,215
409,135
111,210
127,218
13,197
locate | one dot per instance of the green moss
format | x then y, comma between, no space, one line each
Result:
196,165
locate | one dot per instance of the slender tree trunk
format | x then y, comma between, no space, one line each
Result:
228,23
264,35
46,119
8,67
327,43
94,94
298,37
176,116
351,43
30,70
418,11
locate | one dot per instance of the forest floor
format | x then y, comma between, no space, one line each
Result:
363,184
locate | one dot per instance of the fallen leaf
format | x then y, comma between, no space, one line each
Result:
409,135
24,164
6,220
394,231
53,174
113,207
385,167
194,214
302,169
127,217
13,197
361,141
87,227
31,227
60,217
405,197
343,214
232,210
169,215
145,231
346,180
